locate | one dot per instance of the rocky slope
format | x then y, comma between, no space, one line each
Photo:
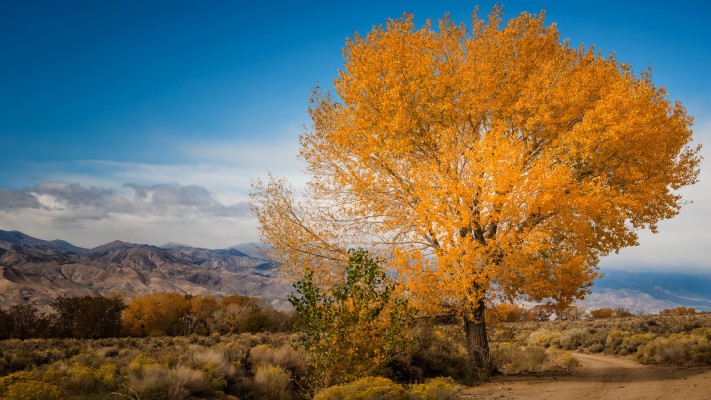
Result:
37,271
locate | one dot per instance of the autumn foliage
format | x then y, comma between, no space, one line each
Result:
496,162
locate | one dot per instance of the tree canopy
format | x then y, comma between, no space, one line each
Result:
492,162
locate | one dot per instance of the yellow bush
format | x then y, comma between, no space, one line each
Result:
15,377
435,389
33,390
369,388
632,343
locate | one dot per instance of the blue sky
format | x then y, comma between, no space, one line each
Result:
145,121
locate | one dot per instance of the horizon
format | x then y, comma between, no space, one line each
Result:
146,123
634,269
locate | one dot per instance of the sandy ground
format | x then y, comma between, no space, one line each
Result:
602,377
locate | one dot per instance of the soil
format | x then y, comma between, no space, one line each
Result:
601,377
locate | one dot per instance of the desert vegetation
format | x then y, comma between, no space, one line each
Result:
430,363
154,314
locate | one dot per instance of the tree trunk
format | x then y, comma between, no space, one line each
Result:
477,343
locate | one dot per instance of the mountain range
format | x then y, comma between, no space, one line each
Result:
37,271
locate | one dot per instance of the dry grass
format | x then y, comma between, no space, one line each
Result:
271,382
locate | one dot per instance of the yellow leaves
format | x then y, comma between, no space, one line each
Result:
498,160
154,314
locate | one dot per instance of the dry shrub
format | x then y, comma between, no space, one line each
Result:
613,343
271,382
435,351
544,338
157,382
78,379
574,339
285,356
561,360
214,363
631,344
514,359
678,348
435,389
369,388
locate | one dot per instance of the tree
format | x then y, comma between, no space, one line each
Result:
202,310
88,316
507,312
496,164
233,313
678,311
353,328
27,322
156,314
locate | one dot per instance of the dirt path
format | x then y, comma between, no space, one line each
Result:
602,377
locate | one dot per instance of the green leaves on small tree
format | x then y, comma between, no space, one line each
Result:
353,328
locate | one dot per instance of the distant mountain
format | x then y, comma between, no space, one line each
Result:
37,271
650,292
251,249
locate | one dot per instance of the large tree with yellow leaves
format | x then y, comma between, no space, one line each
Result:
492,163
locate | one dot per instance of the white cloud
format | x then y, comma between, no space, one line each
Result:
206,205
155,214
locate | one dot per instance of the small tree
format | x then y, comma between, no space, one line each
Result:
353,328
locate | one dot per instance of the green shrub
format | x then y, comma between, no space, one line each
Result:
369,388
435,389
354,328
575,339
613,343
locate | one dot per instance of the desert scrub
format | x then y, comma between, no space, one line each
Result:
77,379
545,338
33,390
435,389
511,358
561,360
434,351
271,382
679,348
285,356
157,382
369,388
214,364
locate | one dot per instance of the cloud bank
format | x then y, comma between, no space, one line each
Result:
89,215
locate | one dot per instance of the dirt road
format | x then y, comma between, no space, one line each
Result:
602,377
